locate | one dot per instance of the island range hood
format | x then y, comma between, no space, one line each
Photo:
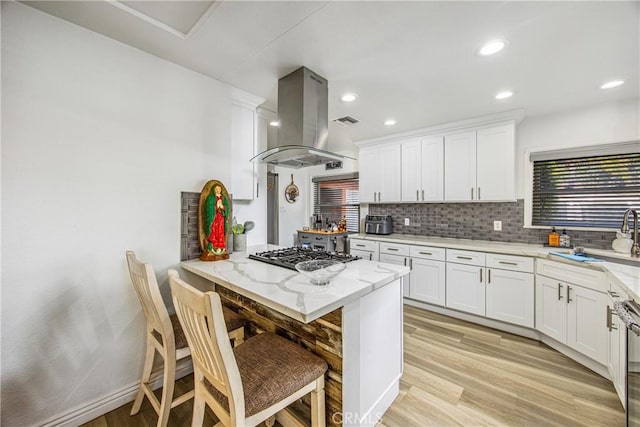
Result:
304,126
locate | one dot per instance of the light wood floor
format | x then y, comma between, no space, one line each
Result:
458,373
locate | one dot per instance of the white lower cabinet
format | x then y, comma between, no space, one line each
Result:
466,288
395,253
510,297
551,308
572,315
586,330
428,281
365,249
398,260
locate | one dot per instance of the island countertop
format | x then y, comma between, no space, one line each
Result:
290,292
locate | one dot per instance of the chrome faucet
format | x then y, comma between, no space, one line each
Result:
635,249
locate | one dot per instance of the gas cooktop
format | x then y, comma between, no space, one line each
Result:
289,257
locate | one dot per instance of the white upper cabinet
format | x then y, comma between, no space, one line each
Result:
380,173
496,163
422,170
244,126
480,165
460,166
457,162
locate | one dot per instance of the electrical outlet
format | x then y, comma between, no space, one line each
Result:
497,225
407,221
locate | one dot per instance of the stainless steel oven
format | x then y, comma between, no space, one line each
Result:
629,313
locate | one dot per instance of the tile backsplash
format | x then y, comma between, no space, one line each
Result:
475,221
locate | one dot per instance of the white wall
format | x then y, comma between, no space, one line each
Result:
98,140
596,124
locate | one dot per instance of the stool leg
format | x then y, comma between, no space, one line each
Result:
317,404
146,374
198,401
269,422
168,382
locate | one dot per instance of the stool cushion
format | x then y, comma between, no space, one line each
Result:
178,334
271,369
232,319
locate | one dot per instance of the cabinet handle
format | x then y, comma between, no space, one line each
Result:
489,276
379,198
608,318
417,195
423,195
319,238
507,263
257,190
481,275
464,257
411,263
559,291
359,245
471,193
425,253
374,196
478,193
405,262
613,294
569,294
393,249
370,257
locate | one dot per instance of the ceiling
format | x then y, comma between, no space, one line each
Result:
416,62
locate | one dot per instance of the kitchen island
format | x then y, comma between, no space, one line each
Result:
354,323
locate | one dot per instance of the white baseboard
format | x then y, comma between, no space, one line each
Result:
108,402
383,403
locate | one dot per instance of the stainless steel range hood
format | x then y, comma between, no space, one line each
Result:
304,126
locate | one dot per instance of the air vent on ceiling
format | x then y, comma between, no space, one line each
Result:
346,121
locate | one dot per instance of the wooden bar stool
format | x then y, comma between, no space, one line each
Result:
165,336
249,384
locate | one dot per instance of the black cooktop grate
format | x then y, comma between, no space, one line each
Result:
289,257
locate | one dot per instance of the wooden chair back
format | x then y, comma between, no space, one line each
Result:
203,323
145,284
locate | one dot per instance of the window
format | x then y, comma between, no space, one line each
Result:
337,197
585,191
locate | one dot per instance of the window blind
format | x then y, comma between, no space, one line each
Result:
337,198
591,191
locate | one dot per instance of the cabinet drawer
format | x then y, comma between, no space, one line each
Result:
466,257
586,277
363,245
394,249
510,262
426,252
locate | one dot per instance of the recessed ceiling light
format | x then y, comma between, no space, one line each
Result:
494,46
504,95
349,97
274,123
389,122
612,84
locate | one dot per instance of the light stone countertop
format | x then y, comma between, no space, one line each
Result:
626,276
290,292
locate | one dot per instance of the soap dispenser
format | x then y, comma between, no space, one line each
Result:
553,238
